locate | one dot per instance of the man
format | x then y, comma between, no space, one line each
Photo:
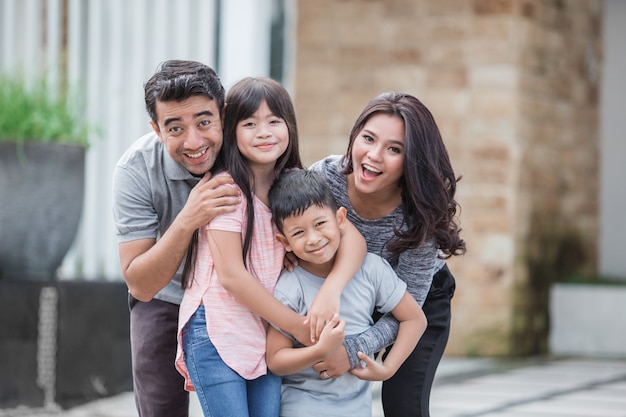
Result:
161,195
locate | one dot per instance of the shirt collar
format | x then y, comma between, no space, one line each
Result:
175,171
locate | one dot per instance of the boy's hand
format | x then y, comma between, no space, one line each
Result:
335,363
372,371
322,311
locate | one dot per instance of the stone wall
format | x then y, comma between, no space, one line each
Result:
513,86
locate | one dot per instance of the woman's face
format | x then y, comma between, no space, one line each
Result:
378,154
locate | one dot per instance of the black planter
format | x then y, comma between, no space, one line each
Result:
41,199
90,349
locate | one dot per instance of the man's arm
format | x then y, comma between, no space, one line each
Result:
148,265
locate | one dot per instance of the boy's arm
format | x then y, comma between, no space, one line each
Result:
349,258
226,251
283,359
412,326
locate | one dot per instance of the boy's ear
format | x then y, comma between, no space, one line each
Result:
282,239
341,216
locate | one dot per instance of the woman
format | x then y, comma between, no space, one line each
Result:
398,185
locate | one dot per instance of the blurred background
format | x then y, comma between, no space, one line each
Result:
527,93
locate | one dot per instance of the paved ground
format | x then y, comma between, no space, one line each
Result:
469,388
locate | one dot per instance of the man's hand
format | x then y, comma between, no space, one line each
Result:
211,197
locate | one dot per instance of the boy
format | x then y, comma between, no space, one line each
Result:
309,224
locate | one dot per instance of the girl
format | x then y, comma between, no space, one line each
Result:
398,185
228,290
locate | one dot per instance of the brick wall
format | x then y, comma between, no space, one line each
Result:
513,86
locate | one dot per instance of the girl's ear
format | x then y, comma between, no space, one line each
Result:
282,239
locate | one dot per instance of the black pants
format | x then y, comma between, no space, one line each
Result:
407,393
157,384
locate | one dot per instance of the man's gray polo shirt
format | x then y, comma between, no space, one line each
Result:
149,190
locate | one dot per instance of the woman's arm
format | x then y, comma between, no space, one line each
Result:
415,267
246,289
412,324
349,258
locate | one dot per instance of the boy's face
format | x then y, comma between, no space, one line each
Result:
314,235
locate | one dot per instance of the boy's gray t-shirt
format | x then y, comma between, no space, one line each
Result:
149,190
374,287
416,266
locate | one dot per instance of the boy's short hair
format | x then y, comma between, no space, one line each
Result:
295,191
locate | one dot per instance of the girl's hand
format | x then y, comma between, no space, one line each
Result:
372,371
332,335
290,261
322,311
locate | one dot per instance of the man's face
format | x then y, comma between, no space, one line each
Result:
191,131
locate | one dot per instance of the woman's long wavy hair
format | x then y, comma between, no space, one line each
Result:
428,182
242,100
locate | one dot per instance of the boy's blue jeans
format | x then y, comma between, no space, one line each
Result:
221,391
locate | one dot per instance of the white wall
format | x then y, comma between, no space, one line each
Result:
613,141
114,46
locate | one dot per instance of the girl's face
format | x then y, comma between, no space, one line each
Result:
378,155
263,137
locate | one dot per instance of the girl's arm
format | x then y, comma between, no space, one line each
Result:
349,258
284,359
246,289
412,324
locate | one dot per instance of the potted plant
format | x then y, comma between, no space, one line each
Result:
42,164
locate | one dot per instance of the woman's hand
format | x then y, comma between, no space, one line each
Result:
372,370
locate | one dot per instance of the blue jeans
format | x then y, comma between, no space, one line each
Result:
221,391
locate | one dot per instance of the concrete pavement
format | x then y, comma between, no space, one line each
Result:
467,388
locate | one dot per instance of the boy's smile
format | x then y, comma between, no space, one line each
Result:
314,237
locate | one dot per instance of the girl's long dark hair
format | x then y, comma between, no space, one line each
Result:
428,182
243,99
